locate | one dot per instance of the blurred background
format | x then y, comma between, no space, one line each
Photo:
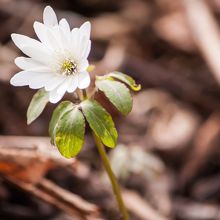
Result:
167,159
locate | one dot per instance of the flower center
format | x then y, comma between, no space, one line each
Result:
68,67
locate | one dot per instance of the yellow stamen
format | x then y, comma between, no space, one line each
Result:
68,67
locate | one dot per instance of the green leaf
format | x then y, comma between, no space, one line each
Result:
125,79
69,134
59,111
37,105
117,93
100,122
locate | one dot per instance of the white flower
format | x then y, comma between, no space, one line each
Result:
58,62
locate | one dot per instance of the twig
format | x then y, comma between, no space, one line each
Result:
205,32
29,158
59,198
187,209
140,207
206,143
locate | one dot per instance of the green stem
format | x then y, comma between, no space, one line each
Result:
112,177
84,94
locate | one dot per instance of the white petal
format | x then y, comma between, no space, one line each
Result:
54,38
48,36
85,29
73,83
26,63
41,32
65,33
49,17
65,40
75,30
85,48
75,38
30,46
37,53
80,41
54,82
55,97
65,25
39,80
84,80
81,46
83,65
62,88
22,78
22,40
